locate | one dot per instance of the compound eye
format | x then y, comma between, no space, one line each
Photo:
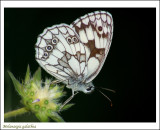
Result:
69,40
89,88
54,40
49,48
74,39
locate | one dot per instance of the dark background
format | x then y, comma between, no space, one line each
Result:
130,67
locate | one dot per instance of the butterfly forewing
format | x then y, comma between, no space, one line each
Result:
95,31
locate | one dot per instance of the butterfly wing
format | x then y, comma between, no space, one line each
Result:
95,31
78,50
60,52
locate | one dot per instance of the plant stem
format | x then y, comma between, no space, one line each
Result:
15,112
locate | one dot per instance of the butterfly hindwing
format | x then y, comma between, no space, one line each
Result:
60,52
95,31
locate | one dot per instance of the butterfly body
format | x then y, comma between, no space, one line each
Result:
81,86
75,54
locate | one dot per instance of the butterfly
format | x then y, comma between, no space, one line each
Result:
74,54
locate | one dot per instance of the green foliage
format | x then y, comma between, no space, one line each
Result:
67,106
17,84
27,77
42,100
37,75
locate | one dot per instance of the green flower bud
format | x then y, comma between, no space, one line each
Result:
40,98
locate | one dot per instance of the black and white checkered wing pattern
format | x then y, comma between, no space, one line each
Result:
95,31
77,51
60,52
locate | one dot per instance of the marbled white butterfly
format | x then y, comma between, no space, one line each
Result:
74,54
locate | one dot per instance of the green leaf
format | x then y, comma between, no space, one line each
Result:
37,75
27,77
42,117
67,107
17,84
54,116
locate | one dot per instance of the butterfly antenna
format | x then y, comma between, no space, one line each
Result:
106,97
108,89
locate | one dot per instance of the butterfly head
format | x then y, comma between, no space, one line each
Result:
88,88
81,86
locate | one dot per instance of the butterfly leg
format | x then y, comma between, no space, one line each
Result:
68,100
56,81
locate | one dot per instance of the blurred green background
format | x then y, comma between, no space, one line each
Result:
130,68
